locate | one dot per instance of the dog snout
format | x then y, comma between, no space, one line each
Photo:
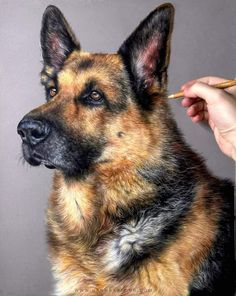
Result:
33,131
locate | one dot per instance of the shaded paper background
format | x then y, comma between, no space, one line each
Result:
204,43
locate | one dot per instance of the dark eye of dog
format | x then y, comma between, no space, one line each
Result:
52,92
94,98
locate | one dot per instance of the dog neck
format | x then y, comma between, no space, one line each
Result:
80,207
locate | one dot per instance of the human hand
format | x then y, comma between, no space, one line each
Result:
216,106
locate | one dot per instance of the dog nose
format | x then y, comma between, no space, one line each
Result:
33,131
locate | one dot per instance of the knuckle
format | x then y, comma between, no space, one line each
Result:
196,86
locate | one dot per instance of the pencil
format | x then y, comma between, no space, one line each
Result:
222,85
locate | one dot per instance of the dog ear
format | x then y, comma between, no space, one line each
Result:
146,52
57,39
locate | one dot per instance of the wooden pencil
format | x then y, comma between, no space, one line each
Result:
222,85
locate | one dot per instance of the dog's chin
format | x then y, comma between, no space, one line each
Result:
68,169
37,161
73,164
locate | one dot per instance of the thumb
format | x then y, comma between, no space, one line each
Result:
204,91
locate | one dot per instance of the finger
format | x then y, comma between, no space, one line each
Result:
187,102
196,108
210,80
200,117
197,118
210,94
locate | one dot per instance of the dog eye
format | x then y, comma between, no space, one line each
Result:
95,96
52,92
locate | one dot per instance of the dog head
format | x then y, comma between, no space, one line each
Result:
99,107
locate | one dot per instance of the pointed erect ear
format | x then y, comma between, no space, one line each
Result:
146,52
57,39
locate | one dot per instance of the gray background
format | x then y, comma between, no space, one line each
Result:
204,43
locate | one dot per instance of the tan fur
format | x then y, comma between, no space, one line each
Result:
133,210
82,207
168,275
78,215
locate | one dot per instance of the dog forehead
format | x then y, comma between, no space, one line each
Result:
100,64
81,67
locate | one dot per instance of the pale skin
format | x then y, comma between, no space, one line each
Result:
215,106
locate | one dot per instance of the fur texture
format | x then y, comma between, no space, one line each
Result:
133,210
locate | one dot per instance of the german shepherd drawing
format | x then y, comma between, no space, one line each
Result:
133,211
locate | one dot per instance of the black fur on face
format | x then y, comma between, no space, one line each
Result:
146,53
72,154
